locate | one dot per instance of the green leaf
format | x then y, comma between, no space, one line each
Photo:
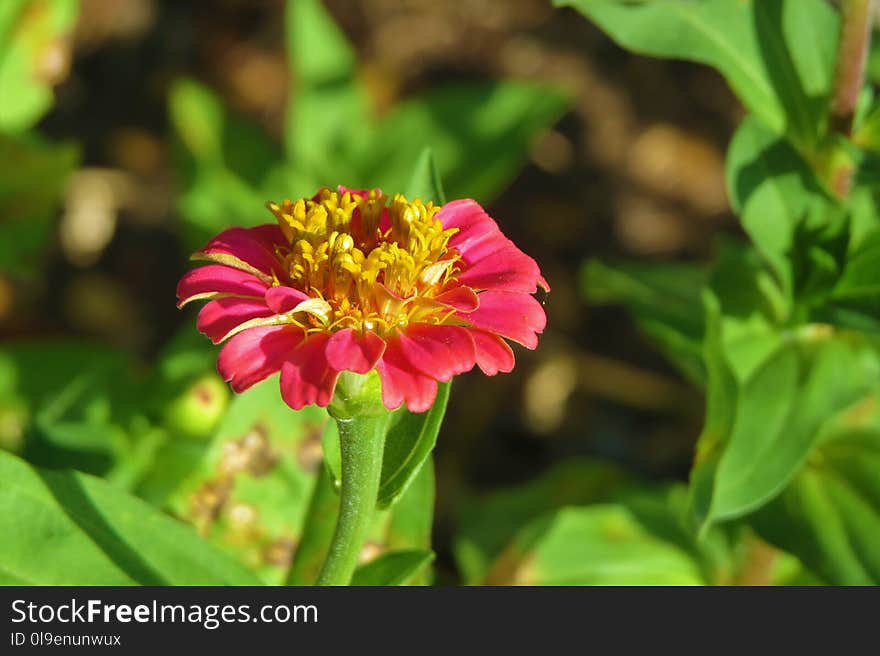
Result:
752,305
663,297
412,517
828,516
252,489
64,528
774,191
854,300
778,56
318,51
761,428
33,175
32,34
198,116
425,182
860,278
393,568
409,443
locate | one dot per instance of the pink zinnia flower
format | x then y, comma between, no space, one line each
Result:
347,281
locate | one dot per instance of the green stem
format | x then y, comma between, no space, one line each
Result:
361,442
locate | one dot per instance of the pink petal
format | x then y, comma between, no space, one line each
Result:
255,247
515,316
493,353
281,299
472,222
491,260
402,384
440,352
461,298
507,269
221,315
256,354
348,350
218,279
307,378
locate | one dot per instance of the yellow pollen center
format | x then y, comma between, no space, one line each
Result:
375,265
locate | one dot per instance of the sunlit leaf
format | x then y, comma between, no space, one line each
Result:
774,191
764,426
66,528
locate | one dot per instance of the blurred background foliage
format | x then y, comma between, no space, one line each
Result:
132,130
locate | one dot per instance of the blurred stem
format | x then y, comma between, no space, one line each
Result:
363,423
852,53
759,562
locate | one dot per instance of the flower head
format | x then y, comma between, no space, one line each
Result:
354,281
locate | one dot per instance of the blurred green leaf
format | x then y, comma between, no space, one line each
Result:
479,134
82,412
760,429
226,164
392,568
33,175
327,108
34,41
828,516
751,304
860,278
604,544
778,56
425,182
318,51
412,518
854,300
663,297
317,531
489,522
65,528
